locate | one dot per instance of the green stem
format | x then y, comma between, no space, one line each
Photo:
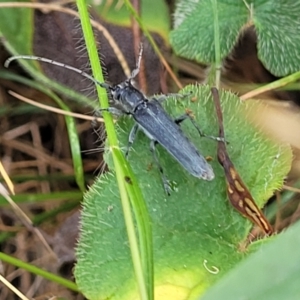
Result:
38,271
123,171
217,43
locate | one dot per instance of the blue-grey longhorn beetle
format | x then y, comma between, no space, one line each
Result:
151,117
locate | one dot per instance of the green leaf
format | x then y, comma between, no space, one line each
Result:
16,26
276,24
195,230
193,36
272,273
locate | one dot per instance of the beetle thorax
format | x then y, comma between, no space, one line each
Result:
127,96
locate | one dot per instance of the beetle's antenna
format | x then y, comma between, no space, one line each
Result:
138,64
55,63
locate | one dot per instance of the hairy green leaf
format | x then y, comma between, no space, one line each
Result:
193,36
196,233
276,24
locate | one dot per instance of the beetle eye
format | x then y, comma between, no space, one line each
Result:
116,94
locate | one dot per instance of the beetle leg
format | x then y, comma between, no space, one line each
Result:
165,181
185,116
131,138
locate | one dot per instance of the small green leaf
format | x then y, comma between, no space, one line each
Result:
114,13
16,26
196,233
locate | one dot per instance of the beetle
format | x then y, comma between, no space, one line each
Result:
152,119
